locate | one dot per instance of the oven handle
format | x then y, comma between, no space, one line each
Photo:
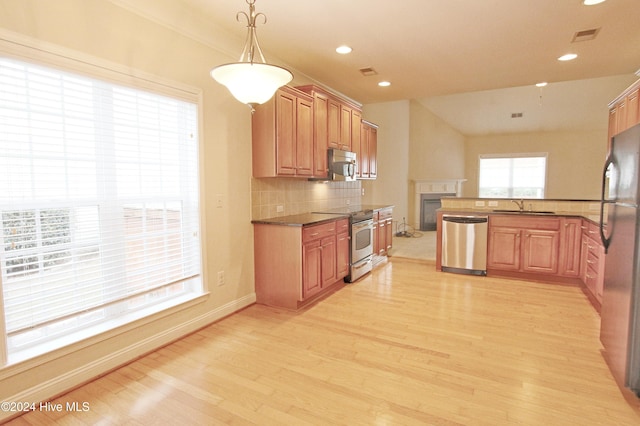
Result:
362,225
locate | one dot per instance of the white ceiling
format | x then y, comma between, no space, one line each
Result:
435,51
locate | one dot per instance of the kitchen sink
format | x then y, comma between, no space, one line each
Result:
542,212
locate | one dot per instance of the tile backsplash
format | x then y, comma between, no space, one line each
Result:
272,197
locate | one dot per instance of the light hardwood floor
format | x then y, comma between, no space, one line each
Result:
404,346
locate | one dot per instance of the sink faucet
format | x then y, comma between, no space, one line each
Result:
520,204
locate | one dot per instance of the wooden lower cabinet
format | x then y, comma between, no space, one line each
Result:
296,264
382,232
534,247
570,244
592,262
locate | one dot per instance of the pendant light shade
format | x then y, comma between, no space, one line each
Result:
249,81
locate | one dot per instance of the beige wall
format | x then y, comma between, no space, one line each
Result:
393,156
574,162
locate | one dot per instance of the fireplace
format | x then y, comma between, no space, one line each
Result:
429,204
427,199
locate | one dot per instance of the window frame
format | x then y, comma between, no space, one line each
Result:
44,54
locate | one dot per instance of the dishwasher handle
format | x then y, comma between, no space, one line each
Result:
465,219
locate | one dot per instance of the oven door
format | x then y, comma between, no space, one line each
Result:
361,240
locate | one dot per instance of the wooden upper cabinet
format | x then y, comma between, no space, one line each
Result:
282,134
286,104
342,115
373,153
624,111
633,108
304,137
368,159
335,114
345,128
320,134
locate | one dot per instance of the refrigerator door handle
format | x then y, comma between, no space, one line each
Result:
605,240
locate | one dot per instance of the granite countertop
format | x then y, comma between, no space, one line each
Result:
485,212
303,219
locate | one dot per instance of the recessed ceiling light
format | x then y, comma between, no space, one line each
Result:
541,84
343,50
592,2
384,84
568,57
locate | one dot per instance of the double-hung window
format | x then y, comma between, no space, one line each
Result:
99,205
512,176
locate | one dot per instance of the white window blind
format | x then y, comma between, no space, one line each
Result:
512,176
99,203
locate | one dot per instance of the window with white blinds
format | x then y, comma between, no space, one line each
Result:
99,204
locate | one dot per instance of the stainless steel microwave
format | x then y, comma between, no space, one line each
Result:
342,165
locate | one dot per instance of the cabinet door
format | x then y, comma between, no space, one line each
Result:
389,234
286,105
356,130
570,247
376,234
329,257
382,237
363,159
304,138
320,134
345,128
343,248
621,116
311,268
335,112
613,126
373,153
633,109
540,251
504,248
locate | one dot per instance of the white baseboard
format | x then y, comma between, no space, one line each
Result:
87,372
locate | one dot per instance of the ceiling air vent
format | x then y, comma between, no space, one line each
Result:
368,71
516,115
585,35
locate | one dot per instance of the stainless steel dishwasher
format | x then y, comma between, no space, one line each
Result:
464,244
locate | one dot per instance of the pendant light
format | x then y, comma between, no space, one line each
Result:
251,80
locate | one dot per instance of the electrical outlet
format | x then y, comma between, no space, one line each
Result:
493,204
279,209
348,202
219,202
479,203
220,278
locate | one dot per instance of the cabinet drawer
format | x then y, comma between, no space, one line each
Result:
593,261
385,214
342,226
593,230
310,233
525,221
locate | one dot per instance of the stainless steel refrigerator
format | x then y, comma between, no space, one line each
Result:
620,312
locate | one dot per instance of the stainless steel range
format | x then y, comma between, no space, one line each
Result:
361,236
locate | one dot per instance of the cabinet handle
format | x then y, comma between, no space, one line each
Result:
590,261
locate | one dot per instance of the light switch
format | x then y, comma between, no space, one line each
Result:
219,201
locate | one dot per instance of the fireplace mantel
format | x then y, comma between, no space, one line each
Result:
434,186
